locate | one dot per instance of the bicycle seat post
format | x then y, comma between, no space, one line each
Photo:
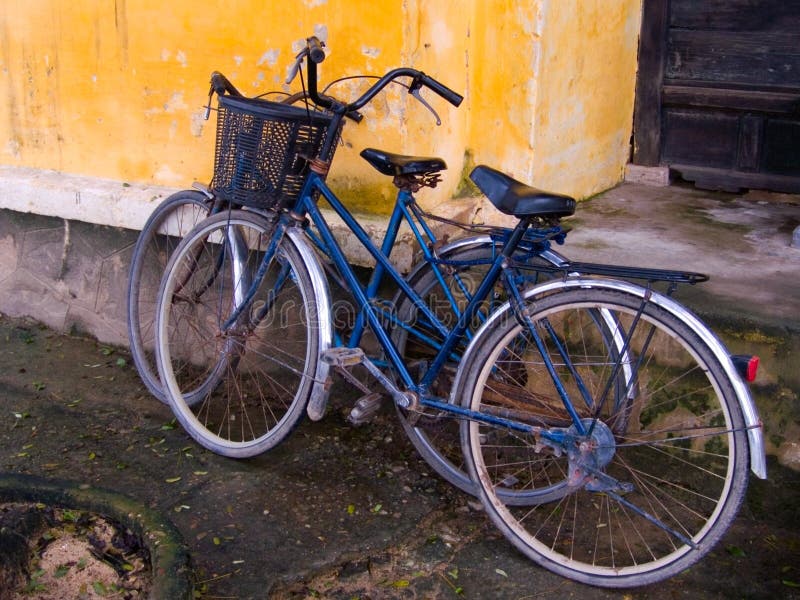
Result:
516,236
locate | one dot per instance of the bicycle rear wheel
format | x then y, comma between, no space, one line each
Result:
647,491
242,389
436,436
161,234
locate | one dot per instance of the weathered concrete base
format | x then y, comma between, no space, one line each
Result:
655,176
66,243
72,275
66,274
74,197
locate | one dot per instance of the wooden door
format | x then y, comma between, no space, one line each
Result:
718,92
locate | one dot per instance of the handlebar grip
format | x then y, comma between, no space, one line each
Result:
315,52
442,90
221,85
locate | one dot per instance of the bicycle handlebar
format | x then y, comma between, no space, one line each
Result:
316,55
315,51
221,85
442,90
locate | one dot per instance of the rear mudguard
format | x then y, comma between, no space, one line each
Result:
758,462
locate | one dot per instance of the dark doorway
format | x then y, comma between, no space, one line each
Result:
718,92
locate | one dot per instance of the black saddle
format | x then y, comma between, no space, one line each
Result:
515,198
398,164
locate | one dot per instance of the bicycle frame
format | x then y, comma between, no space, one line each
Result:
371,315
368,314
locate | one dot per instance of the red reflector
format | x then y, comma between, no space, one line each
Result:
746,365
752,369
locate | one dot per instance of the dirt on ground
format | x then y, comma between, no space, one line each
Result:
334,512
72,554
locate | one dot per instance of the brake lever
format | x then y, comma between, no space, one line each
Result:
414,91
208,106
297,64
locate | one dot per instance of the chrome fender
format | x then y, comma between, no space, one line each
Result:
318,400
421,265
472,241
755,434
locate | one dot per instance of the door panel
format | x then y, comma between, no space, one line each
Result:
727,111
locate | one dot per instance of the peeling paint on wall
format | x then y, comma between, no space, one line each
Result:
370,51
175,103
269,58
548,84
321,31
12,148
198,121
166,174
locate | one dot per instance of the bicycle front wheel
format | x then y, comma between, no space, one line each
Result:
648,487
161,234
240,387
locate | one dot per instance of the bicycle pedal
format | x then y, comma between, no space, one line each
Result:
365,408
343,357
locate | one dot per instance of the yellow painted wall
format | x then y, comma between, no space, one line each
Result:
116,89
584,109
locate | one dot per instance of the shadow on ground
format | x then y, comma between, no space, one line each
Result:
335,512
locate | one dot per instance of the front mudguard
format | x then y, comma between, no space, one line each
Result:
318,399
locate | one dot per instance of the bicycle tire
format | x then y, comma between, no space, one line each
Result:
238,391
161,234
681,455
436,438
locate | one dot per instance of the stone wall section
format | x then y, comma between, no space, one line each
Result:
67,274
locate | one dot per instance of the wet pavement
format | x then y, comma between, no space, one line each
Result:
344,512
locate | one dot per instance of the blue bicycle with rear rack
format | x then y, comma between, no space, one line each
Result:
605,428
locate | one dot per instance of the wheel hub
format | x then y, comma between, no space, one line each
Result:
589,454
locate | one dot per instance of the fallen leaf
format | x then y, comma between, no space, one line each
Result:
735,551
61,571
99,588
